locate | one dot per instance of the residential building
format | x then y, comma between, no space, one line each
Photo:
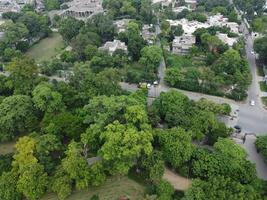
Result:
227,40
147,34
163,3
112,46
121,25
182,45
82,8
191,4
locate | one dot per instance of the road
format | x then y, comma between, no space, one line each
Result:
252,119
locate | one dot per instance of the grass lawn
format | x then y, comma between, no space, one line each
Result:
263,86
46,48
7,147
113,189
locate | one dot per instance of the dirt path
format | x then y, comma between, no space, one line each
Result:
177,181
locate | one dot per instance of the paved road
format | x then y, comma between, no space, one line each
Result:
252,119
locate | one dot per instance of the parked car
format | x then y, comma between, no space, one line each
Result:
252,102
238,128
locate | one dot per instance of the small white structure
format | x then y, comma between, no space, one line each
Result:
220,20
227,40
191,4
83,8
177,10
162,2
147,34
114,45
182,45
121,25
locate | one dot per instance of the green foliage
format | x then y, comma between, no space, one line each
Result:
17,116
176,145
164,190
23,73
123,144
69,28
153,166
33,181
5,163
260,46
228,160
220,187
8,187
261,145
47,100
196,16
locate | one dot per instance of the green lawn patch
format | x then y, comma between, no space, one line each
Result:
263,86
47,48
7,147
113,189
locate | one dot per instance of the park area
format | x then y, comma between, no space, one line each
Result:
112,189
47,48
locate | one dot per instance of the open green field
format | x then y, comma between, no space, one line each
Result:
7,147
113,189
47,48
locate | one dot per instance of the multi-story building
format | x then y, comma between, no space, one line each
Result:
112,46
182,45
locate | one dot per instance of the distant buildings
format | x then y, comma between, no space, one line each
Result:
121,25
82,8
114,45
8,6
183,44
227,40
164,3
191,4
148,34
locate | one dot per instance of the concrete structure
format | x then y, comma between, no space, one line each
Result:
179,9
83,8
220,20
111,47
162,2
181,45
147,34
227,40
191,4
121,25
8,6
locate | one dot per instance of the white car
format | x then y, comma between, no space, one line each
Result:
252,103
148,86
155,82
252,52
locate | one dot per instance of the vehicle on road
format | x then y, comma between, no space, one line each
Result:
252,52
252,102
238,129
148,86
155,83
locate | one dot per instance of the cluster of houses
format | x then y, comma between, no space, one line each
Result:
182,44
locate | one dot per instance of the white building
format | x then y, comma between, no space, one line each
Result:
121,25
220,20
114,45
191,4
182,45
180,9
83,8
162,2
227,40
147,34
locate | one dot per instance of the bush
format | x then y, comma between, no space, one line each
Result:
261,145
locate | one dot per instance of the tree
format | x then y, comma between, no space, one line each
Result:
61,184
176,145
76,166
14,32
261,145
128,9
220,187
123,145
47,100
69,28
23,73
151,57
17,116
33,182
153,166
260,46
8,186
164,190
